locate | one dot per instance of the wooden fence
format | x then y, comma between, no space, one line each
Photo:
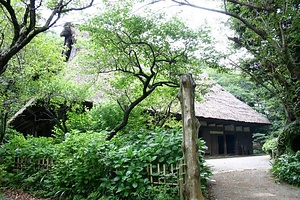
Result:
41,164
163,174
158,174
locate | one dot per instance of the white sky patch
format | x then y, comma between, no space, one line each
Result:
194,17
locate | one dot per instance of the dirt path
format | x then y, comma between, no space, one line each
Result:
247,178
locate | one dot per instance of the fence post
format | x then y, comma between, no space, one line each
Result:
190,124
181,180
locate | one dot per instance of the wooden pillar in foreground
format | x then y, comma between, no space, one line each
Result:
192,185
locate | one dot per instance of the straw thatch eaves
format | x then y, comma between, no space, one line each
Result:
30,103
222,105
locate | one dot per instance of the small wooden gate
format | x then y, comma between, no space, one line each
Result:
167,174
41,164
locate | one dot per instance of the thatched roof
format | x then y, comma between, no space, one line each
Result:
31,102
222,105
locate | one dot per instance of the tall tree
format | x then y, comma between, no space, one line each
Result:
142,53
38,61
268,29
21,21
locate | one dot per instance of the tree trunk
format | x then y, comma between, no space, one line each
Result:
127,112
3,124
192,185
289,138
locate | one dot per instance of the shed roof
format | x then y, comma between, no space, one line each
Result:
31,102
222,105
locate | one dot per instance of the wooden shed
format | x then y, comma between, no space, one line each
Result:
227,123
38,120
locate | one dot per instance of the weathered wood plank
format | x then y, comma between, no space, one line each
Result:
192,184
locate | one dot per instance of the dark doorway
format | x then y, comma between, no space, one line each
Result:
221,144
230,143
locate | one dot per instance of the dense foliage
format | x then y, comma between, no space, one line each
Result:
270,146
86,166
143,53
287,168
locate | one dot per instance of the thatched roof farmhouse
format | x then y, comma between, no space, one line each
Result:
222,105
227,123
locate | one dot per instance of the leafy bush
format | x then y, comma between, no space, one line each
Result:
130,158
270,146
28,152
159,193
287,168
258,140
105,117
4,176
86,166
100,117
261,138
77,168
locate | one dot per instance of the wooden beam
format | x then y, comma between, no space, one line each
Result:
192,185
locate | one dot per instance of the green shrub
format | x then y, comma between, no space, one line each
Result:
4,176
132,155
89,167
100,117
287,168
86,166
79,164
270,146
260,138
130,159
159,193
28,152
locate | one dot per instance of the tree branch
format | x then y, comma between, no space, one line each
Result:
77,9
32,12
127,112
13,19
22,38
147,90
249,5
290,62
254,77
261,33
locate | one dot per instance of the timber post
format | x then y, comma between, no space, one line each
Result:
192,183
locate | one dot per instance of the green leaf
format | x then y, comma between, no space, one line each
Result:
117,178
134,185
128,173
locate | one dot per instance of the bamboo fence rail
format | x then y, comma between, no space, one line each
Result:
158,174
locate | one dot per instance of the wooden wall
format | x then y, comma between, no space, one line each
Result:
226,139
